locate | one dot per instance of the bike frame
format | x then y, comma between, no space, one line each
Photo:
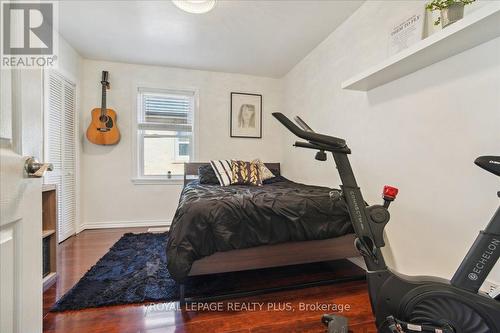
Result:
357,212
474,269
481,258
393,294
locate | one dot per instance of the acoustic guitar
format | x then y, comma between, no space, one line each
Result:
102,129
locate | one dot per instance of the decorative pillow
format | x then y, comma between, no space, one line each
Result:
265,173
223,171
206,175
245,173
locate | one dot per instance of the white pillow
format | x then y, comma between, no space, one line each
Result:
265,173
223,171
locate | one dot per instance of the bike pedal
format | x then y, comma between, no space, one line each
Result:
335,323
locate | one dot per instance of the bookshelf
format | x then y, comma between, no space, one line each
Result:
49,235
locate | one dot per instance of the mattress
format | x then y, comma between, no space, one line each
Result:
214,218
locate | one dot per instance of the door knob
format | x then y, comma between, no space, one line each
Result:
36,169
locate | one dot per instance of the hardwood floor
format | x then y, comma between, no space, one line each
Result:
276,312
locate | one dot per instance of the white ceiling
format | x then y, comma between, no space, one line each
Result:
264,38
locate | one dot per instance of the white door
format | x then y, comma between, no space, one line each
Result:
20,202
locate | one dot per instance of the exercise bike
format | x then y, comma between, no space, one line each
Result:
402,303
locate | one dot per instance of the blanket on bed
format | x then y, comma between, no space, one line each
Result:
213,218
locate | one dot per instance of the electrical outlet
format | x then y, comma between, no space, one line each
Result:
489,287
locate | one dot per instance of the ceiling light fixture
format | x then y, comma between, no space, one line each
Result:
195,6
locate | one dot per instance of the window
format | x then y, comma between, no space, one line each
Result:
164,133
182,150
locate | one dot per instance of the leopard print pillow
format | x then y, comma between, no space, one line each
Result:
265,173
245,173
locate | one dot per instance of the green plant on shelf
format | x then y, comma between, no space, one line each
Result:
443,4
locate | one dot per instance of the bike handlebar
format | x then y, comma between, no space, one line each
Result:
312,137
302,124
307,145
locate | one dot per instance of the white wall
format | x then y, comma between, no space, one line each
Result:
109,198
69,62
420,133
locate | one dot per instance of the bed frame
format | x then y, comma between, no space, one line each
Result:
266,256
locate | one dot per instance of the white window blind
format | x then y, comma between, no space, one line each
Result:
164,132
61,149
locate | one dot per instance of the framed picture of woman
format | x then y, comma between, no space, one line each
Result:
246,115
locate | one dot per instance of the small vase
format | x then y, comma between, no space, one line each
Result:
452,14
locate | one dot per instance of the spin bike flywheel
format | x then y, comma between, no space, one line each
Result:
447,310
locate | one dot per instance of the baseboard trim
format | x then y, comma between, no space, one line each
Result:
123,224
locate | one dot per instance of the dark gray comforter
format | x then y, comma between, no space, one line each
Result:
212,218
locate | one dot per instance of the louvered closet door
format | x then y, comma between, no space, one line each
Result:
61,149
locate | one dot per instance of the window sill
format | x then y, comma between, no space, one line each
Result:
157,181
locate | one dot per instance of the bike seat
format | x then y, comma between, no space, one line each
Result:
489,163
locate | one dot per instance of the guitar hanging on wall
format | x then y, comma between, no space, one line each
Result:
102,129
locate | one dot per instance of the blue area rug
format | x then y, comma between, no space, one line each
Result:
135,271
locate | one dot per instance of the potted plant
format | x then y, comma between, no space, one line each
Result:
451,10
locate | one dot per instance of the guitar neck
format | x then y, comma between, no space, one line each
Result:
103,101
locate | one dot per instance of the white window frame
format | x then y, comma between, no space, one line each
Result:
138,176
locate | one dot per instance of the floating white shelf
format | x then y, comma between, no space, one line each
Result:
474,29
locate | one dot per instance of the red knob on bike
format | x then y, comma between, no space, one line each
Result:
390,193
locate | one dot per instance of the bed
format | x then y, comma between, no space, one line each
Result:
220,229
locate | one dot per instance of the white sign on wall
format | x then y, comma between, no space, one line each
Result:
407,32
